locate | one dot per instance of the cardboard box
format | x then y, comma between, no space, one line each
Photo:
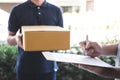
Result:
38,38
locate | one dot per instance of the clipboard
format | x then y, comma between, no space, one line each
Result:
75,58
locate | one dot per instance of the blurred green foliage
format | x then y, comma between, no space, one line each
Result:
8,56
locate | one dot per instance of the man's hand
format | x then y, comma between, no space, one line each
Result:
14,39
91,49
19,40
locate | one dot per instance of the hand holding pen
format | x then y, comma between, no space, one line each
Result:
89,48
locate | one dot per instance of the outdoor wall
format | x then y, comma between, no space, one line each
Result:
7,6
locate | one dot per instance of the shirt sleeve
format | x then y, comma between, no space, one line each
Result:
13,23
60,18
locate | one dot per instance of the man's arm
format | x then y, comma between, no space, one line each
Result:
111,72
14,39
101,71
110,49
93,49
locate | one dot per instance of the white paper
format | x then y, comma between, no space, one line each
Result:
74,58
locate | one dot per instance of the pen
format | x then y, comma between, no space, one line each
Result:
86,42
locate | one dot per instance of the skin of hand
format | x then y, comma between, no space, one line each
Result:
92,69
101,71
15,39
92,48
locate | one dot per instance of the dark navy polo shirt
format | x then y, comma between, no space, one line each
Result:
29,14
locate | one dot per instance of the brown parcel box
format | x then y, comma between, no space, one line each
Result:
36,38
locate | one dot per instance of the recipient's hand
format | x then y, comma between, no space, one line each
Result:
92,49
92,69
101,71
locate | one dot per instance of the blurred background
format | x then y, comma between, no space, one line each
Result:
100,19
97,18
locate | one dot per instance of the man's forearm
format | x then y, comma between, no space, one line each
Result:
110,72
110,49
11,40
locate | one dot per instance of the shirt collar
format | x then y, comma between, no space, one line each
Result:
31,4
